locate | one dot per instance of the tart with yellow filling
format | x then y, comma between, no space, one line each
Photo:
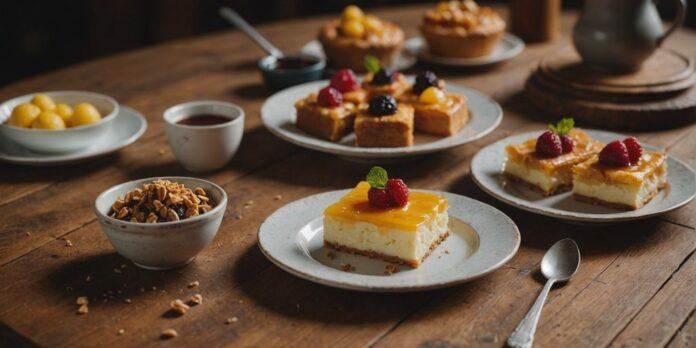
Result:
326,115
546,163
622,175
463,29
384,123
348,40
381,219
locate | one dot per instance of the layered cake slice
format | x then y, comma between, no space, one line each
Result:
621,176
382,219
546,163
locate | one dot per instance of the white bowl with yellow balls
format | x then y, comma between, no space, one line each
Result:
59,121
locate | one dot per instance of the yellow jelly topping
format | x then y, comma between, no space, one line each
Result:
355,207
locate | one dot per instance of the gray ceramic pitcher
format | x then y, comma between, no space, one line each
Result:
619,35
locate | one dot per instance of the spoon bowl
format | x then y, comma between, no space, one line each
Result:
561,261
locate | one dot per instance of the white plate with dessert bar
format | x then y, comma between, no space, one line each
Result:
382,237
383,116
601,177
127,127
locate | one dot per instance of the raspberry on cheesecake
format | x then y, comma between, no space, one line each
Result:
545,163
380,218
622,175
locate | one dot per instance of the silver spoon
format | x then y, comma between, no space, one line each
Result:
233,17
560,263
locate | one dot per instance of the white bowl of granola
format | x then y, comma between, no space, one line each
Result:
161,223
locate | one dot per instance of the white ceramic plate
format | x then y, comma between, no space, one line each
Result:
128,126
508,47
481,240
487,165
278,115
403,61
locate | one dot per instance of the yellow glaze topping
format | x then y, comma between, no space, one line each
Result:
355,207
651,162
584,148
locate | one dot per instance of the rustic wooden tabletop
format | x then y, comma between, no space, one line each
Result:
635,284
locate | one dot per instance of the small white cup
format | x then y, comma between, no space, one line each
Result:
204,148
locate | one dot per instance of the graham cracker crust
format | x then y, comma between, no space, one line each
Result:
388,258
621,206
558,189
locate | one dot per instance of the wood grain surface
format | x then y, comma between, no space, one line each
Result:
634,287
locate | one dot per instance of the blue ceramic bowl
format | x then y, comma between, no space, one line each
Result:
278,77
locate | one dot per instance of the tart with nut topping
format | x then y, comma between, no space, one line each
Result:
161,201
347,40
462,29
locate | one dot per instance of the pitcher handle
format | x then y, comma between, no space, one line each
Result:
678,20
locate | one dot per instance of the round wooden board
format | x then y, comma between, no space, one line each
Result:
666,71
675,110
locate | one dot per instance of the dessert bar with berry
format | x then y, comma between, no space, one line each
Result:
326,115
385,123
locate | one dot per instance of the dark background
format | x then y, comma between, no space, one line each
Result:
37,36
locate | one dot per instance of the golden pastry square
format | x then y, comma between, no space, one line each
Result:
385,131
441,119
327,123
395,89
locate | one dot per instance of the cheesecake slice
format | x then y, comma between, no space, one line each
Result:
548,175
404,235
628,188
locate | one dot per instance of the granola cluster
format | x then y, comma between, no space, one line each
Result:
161,201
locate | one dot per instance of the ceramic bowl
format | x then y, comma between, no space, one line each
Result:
204,148
162,245
279,79
66,140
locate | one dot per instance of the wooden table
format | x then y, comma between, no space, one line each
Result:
635,284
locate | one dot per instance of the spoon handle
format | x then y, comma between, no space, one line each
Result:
523,336
233,17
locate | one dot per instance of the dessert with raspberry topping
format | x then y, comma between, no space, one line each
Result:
384,123
462,29
326,114
346,82
347,40
380,218
622,175
546,163
380,80
436,111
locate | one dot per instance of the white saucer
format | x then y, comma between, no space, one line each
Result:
278,115
481,240
487,165
509,47
128,126
403,61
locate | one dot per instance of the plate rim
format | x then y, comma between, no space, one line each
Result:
68,158
619,216
326,146
422,53
347,285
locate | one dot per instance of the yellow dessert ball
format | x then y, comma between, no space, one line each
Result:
443,6
44,102
352,12
23,115
373,24
48,120
64,111
353,28
84,114
432,95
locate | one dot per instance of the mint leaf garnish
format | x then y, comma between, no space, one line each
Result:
377,177
563,126
371,63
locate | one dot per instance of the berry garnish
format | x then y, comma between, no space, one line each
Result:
329,97
398,192
615,154
382,77
344,81
568,143
382,105
424,80
549,145
385,192
634,149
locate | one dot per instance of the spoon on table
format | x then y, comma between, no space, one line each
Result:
279,69
560,263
